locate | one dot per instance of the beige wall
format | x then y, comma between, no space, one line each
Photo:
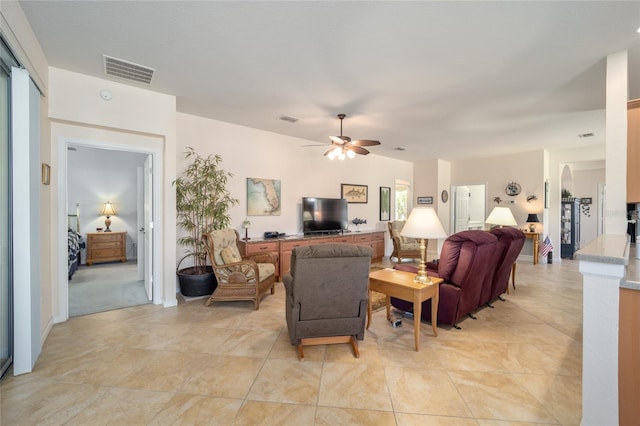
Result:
303,171
134,116
525,168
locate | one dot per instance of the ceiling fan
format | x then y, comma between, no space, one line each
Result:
343,146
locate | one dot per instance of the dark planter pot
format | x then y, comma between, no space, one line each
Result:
196,285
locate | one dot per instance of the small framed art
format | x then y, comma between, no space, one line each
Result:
385,203
425,200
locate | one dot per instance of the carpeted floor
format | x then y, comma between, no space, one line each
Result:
104,287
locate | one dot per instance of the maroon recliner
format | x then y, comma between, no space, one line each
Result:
511,241
467,263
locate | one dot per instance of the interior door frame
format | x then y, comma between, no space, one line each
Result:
453,196
61,312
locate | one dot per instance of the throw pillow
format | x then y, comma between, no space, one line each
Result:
230,254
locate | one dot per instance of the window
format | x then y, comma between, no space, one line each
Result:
403,198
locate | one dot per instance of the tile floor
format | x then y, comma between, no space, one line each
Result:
519,363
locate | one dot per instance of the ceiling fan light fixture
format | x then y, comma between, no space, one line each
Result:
347,148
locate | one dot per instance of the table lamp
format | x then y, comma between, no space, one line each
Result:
501,216
246,224
108,210
423,223
532,219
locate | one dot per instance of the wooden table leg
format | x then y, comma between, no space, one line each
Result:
536,243
369,311
434,311
417,316
387,300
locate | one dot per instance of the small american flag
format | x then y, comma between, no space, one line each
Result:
546,247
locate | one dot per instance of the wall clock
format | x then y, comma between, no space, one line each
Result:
512,189
444,196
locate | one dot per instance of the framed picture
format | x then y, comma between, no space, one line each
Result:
385,203
425,200
546,194
263,197
46,174
358,194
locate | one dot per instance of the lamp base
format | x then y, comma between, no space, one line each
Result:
422,279
107,223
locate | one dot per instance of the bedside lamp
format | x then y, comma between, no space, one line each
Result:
532,219
501,216
108,210
423,223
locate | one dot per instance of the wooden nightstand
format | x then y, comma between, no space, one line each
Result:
106,247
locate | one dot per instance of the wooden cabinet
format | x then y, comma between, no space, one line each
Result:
106,247
286,247
262,246
633,151
375,240
628,354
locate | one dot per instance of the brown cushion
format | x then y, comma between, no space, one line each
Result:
230,254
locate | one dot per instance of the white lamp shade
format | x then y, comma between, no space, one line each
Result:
501,216
108,209
424,223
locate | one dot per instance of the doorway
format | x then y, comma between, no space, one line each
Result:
66,135
97,178
469,207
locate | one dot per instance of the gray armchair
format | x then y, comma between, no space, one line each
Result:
327,294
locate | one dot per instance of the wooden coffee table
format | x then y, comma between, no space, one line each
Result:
399,284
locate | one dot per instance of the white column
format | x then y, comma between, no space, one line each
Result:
603,266
615,220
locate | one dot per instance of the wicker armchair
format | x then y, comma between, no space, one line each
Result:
239,277
403,247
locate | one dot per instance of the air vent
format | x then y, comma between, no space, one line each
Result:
288,118
585,135
399,148
127,70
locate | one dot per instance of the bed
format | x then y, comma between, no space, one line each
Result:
75,242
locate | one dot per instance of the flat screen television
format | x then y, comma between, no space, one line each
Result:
324,215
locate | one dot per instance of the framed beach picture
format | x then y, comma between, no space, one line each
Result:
385,203
355,193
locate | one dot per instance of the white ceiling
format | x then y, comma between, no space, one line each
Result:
442,79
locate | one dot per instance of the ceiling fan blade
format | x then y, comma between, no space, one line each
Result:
365,142
327,153
340,140
358,150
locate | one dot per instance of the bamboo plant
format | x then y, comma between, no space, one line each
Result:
202,203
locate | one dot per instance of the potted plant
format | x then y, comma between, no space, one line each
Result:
202,205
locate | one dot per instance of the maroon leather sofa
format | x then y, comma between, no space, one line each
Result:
511,241
467,265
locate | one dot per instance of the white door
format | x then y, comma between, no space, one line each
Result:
461,209
148,226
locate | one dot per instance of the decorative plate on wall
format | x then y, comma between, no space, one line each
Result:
512,189
444,196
